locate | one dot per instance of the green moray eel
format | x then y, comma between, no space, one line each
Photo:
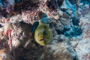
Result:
43,35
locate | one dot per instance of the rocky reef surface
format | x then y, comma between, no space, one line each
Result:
68,20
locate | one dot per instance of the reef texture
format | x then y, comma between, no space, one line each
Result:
68,20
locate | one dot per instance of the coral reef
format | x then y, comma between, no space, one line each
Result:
68,20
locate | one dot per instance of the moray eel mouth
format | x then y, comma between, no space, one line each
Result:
42,39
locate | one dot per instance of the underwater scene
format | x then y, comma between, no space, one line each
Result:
44,29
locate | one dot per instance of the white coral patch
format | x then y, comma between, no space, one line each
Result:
15,43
